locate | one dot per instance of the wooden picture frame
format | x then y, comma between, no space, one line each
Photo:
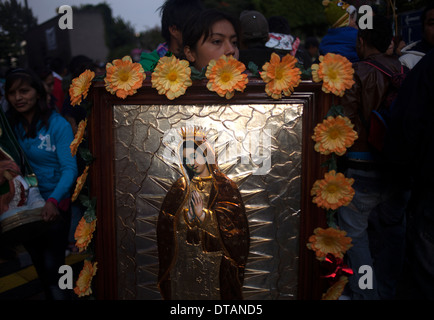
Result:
102,173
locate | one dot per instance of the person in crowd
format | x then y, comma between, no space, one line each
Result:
174,14
74,115
282,42
341,37
57,65
209,36
254,36
410,129
45,137
396,46
47,77
311,45
411,54
367,94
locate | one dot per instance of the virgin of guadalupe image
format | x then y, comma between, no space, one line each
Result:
202,229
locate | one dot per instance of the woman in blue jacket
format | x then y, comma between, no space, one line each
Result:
45,137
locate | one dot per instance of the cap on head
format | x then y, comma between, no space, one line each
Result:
254,25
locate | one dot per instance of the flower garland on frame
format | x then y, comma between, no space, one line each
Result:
333,137
172,77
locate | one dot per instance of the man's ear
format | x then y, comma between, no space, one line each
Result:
191,57
175,32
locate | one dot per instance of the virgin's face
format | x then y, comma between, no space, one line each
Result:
195,161
22,97
222,40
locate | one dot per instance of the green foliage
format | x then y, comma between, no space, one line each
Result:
305,17
15,21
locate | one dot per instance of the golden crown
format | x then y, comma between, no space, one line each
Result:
196,133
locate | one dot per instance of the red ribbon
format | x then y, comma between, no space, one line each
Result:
335,267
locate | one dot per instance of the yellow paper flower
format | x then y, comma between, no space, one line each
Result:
123,77
83,284
225,76
171,77
79,184
80,87
78,137
335,291
84,234
329,240
334,135
335,71
280,76
333,191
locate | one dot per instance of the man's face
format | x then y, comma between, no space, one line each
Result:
359,48
428,30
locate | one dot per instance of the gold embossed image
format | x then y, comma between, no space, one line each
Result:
202,228
249,231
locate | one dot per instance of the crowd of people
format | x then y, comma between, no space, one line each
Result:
390,219
37,166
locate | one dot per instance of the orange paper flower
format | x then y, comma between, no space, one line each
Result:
79,184
333,191
329,240
78,137
123,77
335,291
80,87
334,135
84,234
335,71
226,76
171,77
83,284
280,76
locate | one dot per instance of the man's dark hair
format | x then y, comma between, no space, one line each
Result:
311,42
380,35
176,13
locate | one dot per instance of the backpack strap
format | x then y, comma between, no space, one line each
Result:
380,67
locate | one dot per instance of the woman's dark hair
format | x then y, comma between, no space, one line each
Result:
42,113
201,25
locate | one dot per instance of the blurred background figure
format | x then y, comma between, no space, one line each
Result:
282,42
311,45
254,36
341,38
174,15
412,53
